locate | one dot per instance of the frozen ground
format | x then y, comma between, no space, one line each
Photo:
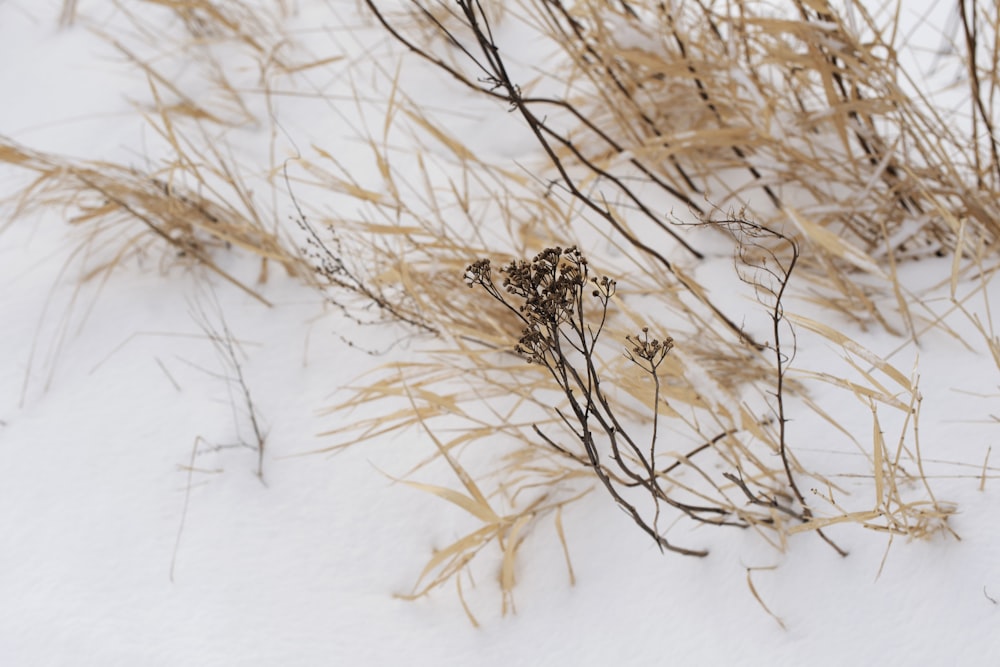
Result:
114,550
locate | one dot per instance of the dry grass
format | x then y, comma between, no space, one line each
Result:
654,127
816,139
125,211
192,199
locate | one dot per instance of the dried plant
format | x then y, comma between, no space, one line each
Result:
819,121
564,312
797,114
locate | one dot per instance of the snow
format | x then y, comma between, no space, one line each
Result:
116,550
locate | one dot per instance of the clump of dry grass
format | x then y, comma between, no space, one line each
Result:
109,200
706,108
658,121
197,197
800,114
192,199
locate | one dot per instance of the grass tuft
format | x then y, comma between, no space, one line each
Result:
790,139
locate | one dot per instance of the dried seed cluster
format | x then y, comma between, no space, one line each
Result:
549,290
648,349
563,312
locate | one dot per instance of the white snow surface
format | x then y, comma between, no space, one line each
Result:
113,553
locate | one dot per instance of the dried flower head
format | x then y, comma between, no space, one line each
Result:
646,349
479,273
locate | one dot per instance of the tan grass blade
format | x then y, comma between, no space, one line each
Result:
835,245
853,347
482,512
565,547
760,601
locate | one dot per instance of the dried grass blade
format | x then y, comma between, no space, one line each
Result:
835,245
482,512
878,458
463,548
565,547
852,346
460,472
510,556
760,601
